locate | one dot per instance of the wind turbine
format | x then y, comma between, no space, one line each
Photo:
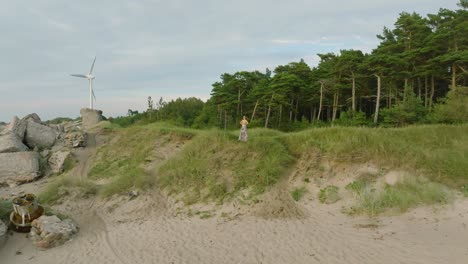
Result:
90,78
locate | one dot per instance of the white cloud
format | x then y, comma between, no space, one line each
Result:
170,47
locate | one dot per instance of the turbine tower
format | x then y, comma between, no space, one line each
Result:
90,78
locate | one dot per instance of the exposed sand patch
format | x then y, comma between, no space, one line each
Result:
135,233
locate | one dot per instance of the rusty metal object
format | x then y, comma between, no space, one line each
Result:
26,208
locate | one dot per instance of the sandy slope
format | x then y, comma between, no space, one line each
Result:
153,229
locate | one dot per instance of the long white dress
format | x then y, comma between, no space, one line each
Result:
243,133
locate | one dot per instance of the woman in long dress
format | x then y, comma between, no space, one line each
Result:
243,132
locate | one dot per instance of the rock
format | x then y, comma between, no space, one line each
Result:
58,128
39,135
90,117
75,139
72,126
133,194
50,231
11,143
45,153
32,117
3,234
19,167
17,127
57,160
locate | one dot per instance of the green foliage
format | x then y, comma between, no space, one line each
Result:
453,109
6,207
409,111
182,112
352,119
298,193
412,192
329,194
126,121
69,164
463,4
206,118
214,165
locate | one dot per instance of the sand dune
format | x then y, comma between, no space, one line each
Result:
152,228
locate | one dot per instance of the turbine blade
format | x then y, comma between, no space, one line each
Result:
92,66
92,91
79,75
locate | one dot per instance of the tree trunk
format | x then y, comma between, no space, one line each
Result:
268,116
225,119
238,103
297,109
390,98
291,110
313,114
335,106
454,76
425,90
432,91
353,98
419,88
269,110
377,102
321,97
253,113
220,118
404,89
280,114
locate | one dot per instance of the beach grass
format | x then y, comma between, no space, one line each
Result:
214,166
409,193
298,193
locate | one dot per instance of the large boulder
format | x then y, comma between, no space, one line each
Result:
57,160
19,167
50,231
16,126
3,233
11,143
32,117
39,135
90,117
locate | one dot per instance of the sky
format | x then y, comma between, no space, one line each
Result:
168,49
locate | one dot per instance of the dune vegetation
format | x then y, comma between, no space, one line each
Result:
212,165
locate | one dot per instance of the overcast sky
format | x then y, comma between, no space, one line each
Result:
168,49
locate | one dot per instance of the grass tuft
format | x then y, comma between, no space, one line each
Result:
298,193
65,185
411,192
329,194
